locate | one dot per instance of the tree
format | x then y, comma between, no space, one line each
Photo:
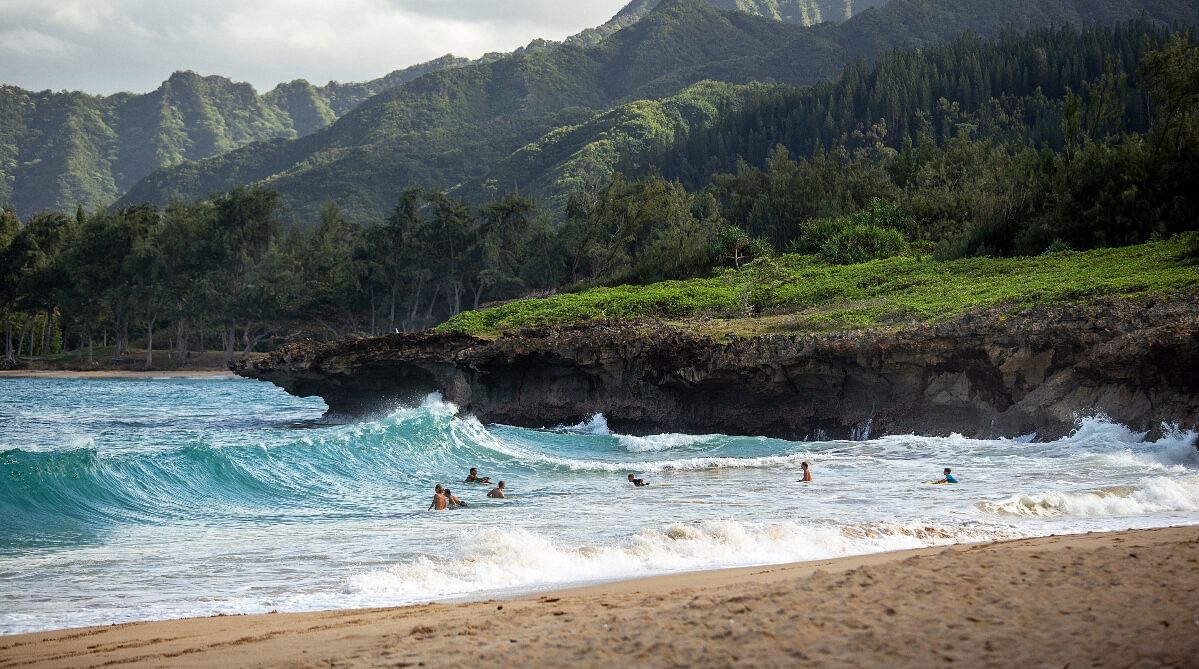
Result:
10,227
245,226
502,247
734,245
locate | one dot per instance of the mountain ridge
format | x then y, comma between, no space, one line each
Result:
60,149
447,130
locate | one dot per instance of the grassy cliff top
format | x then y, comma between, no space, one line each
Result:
801,294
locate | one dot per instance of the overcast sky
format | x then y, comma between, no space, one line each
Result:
104,46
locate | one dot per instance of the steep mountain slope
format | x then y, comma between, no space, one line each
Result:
62,149
488,126
448,127
802,12
572,157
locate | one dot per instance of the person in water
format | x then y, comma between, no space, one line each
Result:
452,501
636,481
473,476
807,473
949,477
439,501
497,493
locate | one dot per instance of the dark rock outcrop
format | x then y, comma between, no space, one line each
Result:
983,374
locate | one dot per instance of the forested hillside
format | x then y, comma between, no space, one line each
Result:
461,127
62,149
1064,140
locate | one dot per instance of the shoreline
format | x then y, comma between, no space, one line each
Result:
114,374
1111,598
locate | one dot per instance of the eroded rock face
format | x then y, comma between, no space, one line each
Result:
982,375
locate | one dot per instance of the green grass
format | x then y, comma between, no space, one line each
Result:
800,293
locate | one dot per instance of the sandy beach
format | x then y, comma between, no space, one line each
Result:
1116,599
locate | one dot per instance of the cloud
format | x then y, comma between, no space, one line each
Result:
103,46
34,44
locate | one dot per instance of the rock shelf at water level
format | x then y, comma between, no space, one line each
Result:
983,374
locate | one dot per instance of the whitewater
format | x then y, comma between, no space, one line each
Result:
124,500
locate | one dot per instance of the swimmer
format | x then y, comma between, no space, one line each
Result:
949,477
453,501
497,493
807,474
439,501
636,481
473,477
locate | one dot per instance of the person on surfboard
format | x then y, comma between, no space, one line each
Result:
949,477
452,501
636,481
473,477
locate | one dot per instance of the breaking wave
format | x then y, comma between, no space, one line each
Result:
500,559
1154,495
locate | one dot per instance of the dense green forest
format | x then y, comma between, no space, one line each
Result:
63,149
1067,140
540,120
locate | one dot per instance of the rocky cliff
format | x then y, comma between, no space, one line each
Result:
985,374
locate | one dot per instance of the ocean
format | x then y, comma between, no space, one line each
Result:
124,500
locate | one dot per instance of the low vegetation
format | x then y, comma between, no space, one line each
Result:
816,295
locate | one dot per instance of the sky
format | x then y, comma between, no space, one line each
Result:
105,46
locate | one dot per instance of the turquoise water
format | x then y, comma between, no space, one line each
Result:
142,499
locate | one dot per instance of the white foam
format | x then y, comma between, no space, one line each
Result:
663,442
597,424
1154,495
500,559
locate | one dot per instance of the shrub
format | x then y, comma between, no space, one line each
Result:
1058,246
885,214
862,243
815,233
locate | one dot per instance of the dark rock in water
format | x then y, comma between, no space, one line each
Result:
982,375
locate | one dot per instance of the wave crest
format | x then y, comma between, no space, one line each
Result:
1155,495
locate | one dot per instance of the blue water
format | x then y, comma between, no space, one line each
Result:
141,499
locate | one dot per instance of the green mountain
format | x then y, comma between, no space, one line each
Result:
802,12
541,119
58,150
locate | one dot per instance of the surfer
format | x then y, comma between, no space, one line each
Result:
453,501
497,493
473,476
636,481
439,501
949,477
807,474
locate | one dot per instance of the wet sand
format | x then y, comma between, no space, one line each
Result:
1118,599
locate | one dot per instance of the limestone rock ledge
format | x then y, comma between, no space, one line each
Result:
985,374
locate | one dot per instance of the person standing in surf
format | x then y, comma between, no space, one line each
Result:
807,474
497,493
439,501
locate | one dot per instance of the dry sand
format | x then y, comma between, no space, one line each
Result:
114,374
1121,599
